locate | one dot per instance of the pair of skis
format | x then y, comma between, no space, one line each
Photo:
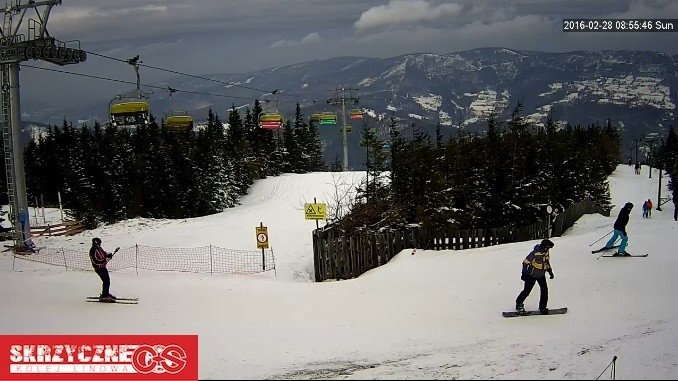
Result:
97,299
605,249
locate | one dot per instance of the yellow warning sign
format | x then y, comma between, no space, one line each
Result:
315,211
262,237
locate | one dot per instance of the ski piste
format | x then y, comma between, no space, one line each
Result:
604,249
553,311
96,299
625,256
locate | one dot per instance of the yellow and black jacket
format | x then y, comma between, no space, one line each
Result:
537,264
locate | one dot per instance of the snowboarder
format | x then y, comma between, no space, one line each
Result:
535,267
100,258
620,230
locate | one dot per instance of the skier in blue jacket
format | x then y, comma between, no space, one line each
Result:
535,267
620,230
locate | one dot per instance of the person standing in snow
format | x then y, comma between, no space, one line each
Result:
645,209
620,230
649,208
99,258
535,266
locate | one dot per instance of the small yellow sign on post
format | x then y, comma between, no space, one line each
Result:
262,237
315,211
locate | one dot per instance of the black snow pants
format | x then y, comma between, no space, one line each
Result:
105,279
529,284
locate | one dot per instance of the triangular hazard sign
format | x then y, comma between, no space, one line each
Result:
310,210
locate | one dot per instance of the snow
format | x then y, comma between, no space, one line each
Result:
424,315
430,102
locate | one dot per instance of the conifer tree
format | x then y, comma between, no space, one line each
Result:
238,154
375,162
300,155
671,161
71,166
257,161
291,152
314,150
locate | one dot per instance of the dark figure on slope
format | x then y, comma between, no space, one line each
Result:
620,230
645,213
100,258
535,267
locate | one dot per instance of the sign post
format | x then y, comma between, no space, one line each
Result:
315,211
262,242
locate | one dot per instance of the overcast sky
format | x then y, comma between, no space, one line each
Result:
209,36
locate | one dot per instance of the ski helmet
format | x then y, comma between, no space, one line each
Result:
545,245
628,205
96,241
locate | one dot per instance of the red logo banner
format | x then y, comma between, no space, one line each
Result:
99,357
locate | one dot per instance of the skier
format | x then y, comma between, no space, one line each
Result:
620,231
100,258
535,267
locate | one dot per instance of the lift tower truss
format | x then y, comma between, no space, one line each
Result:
18,45
343,95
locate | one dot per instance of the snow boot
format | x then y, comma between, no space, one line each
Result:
520,308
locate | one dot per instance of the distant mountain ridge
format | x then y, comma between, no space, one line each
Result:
636,89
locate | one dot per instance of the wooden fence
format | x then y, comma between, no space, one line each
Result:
64,228
338,255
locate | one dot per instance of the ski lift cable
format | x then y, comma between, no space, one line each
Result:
191,75
134,83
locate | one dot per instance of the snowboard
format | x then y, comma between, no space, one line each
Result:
604,249
95,299
552,311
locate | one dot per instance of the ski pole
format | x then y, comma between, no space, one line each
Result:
600,238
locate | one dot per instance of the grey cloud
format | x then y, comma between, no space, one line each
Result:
404,12
232,36
309,39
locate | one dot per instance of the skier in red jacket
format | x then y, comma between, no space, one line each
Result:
100,258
